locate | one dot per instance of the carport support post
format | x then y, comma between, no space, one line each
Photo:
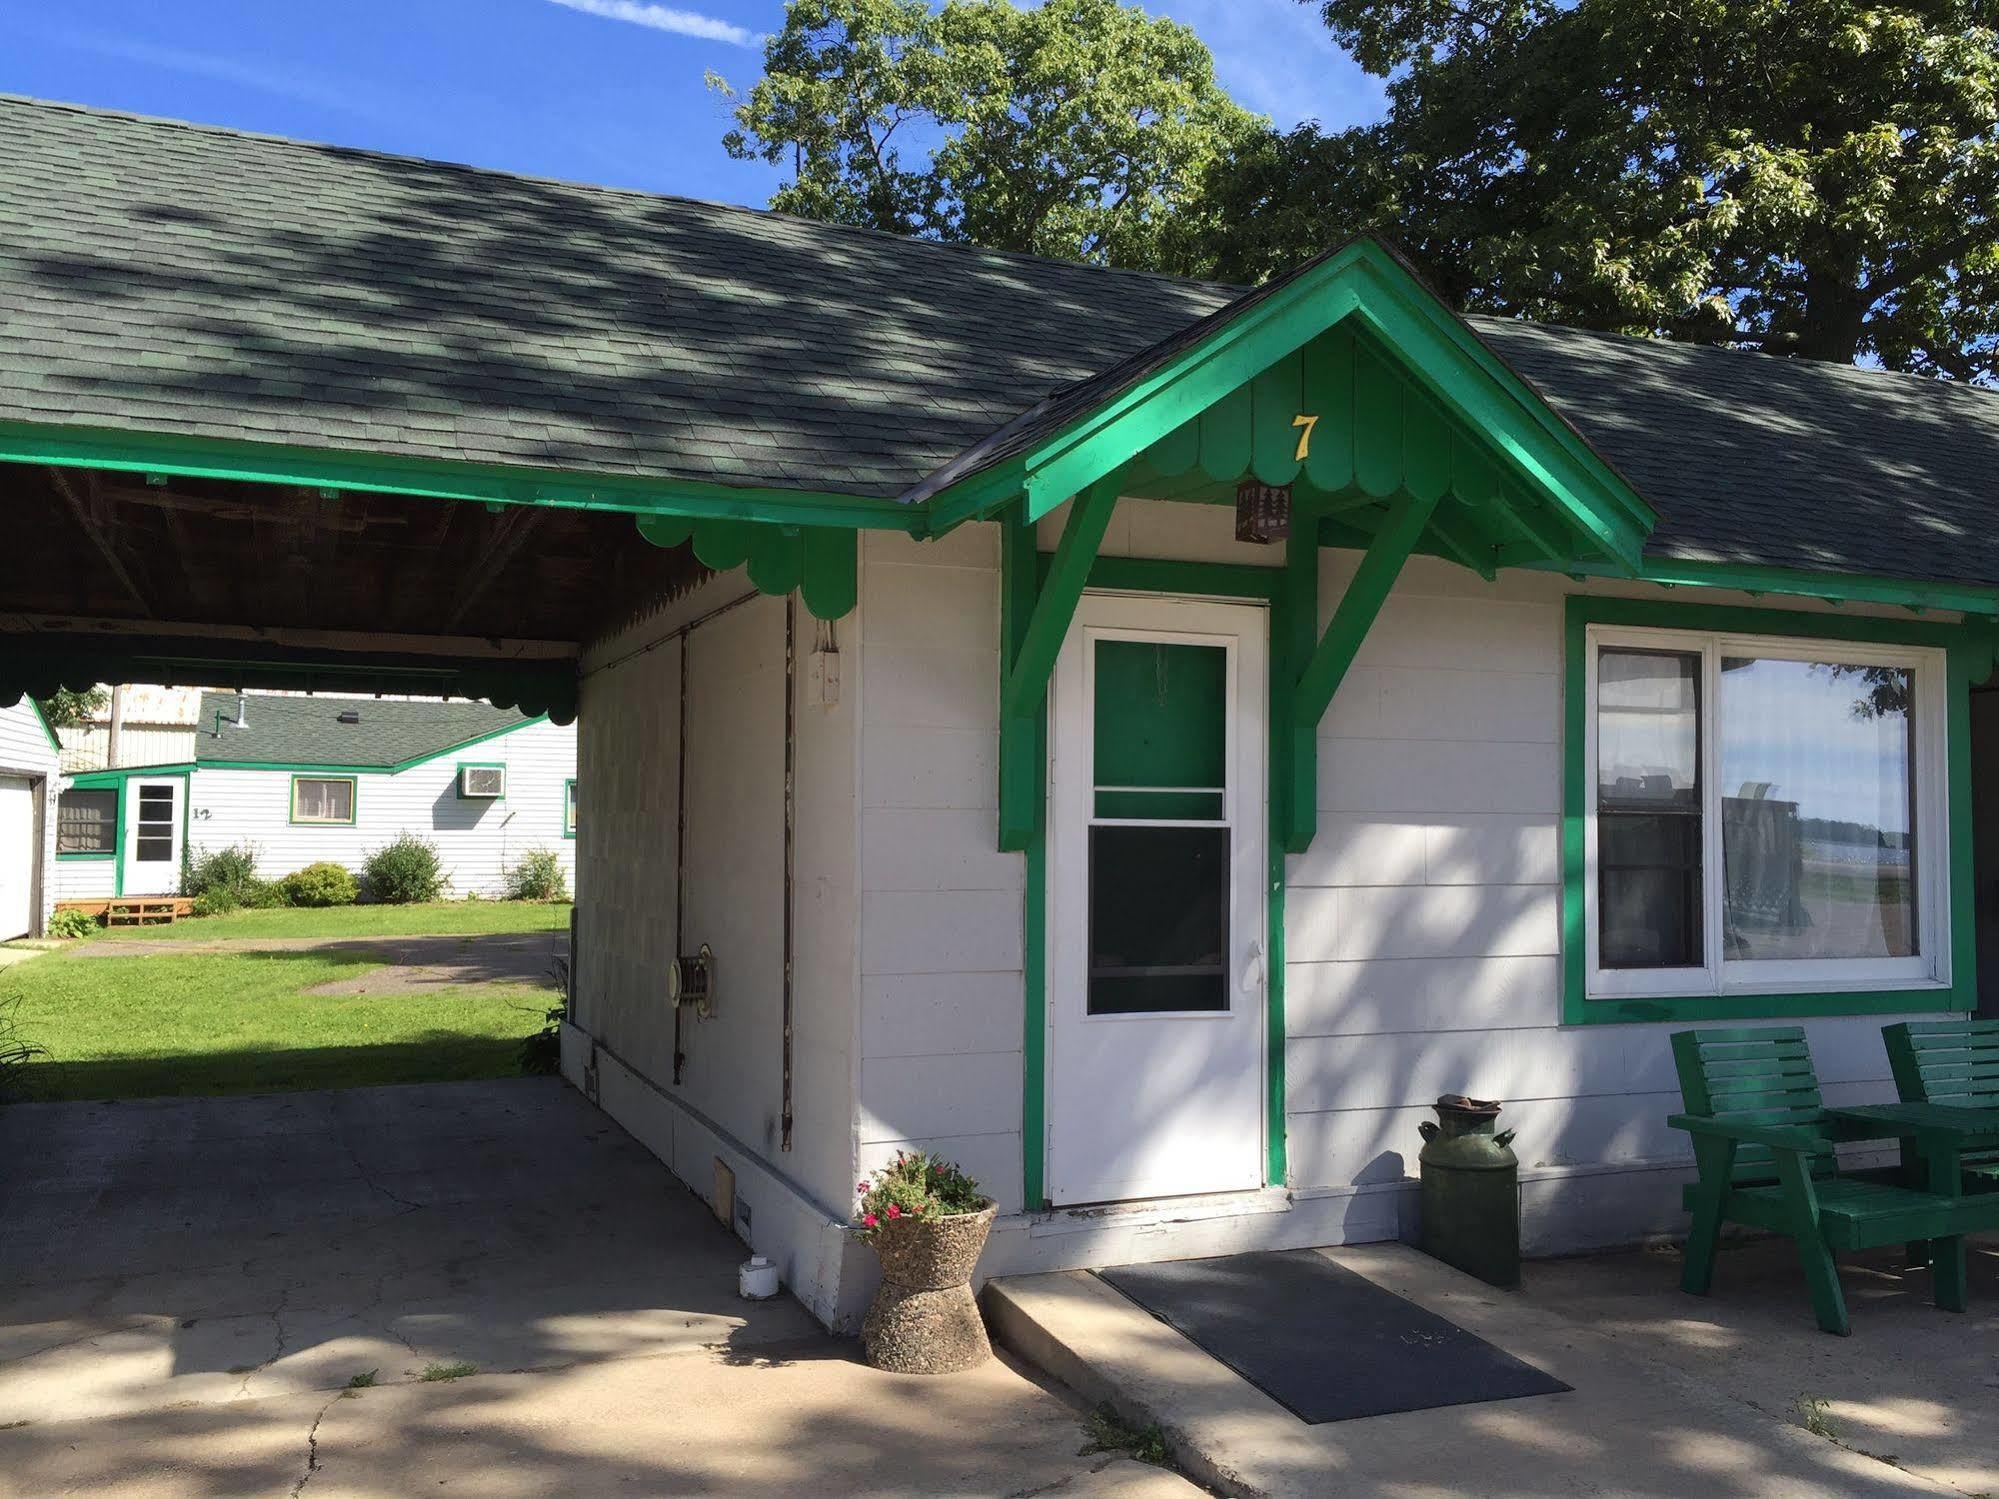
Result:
1379,567
1034,622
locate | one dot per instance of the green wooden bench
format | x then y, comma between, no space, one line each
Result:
1952,1062
1763,1144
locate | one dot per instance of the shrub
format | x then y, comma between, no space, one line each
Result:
261,895
321,884
538,876
540,1054
72,923
233,869
404,872
217,902
915,1184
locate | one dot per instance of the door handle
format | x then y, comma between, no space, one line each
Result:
1252,970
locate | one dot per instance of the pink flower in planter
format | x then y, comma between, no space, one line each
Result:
894,1211
871,1220
864,1189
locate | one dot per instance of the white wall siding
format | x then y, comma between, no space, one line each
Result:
729,1101
1423,929
941,977
479,840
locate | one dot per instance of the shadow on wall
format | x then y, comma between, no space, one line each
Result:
452,813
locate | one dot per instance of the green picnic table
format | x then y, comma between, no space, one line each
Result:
1935,1137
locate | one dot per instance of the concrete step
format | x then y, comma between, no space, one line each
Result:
1629,1428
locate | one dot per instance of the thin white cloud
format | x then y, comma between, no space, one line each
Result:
666,18
299,88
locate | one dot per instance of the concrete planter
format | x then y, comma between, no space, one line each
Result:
923,1319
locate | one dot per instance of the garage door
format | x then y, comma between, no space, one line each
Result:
17,856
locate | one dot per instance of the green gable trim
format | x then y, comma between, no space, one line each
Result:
1440,354
43,719
1969,659
1834,587
437,478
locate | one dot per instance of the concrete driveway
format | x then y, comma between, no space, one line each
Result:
188,1286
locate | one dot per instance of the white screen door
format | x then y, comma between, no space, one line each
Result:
152,836
1157,827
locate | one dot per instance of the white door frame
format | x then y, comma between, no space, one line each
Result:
154,876
1093,1063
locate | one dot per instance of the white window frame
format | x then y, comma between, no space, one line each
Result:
1929,969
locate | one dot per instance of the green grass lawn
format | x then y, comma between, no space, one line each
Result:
200,1023
445,918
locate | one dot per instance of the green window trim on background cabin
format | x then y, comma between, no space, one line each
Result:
1181,579
353,803
569,807
1968,656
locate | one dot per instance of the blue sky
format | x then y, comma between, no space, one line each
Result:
603,91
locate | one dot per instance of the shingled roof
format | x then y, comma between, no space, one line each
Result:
289,730
164,277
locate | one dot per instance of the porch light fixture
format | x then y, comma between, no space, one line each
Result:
1262,512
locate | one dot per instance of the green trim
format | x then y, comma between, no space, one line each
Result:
1968,660
1833,587
112,855
569,807
1055,600
439,478
1379,567
450,749
1221,580
1198,579
458,779
1365,282
43,719
97,780
353,802
1024,826
299,767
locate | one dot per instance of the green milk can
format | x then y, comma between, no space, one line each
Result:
1471,1191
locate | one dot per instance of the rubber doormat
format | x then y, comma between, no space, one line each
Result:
1323,1342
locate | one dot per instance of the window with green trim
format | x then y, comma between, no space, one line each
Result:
87,823
323,799
1764,815
569,809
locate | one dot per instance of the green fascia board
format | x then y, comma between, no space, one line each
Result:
1365,281
434,478
43,719
1745,577
1969,659
98,780
465,744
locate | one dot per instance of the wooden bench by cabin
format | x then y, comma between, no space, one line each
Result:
1764,1148
1950,1062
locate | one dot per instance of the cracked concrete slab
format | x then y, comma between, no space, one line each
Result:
807,1420
164,1251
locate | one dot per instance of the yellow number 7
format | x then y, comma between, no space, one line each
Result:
1304,437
